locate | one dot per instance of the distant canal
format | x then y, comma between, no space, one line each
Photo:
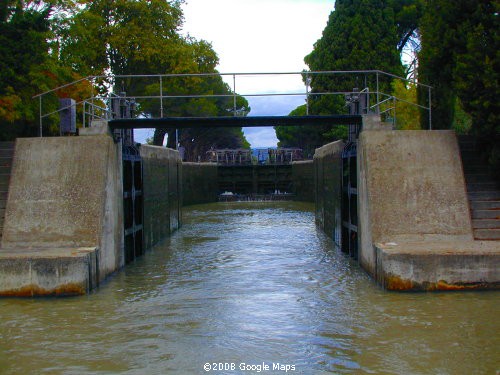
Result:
257,288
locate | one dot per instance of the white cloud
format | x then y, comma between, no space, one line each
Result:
259,36
261,137
274,105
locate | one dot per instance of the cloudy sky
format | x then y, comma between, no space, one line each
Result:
260,36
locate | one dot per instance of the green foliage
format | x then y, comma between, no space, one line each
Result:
45,44
460,57
407,115
308,138
29,66
408,14
359,35
462,121
24,68
141,37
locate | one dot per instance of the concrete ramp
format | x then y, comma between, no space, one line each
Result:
415,226
63,226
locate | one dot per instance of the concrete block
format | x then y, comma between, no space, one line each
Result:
48,272
415,184
414,227
373,122
444,265
65,193
98,127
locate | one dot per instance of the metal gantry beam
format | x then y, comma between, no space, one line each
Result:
228,122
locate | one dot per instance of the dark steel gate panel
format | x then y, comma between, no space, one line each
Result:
349,238
349,198
132,203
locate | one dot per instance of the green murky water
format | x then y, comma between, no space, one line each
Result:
250,286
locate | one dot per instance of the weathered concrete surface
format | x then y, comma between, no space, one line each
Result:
162,187
46,272
199,183
411,192
327,183
65,194
303,180
438,265
98,127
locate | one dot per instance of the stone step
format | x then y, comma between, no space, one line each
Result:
486,214
477,177
6,160
5,153
482,186
485,195
476,169
4,178
485,205
470,154
7,145
5,169
487,234
486,223
3,204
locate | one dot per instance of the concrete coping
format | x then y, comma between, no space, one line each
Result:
449,247
45,253
328,149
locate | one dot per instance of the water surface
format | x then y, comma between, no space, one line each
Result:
255,284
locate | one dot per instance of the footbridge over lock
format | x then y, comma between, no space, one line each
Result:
393,200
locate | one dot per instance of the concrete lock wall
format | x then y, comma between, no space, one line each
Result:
414,228
327,183
162,186
199,182
303,180
63,229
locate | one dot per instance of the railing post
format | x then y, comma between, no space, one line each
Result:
161,97
308,82
394,123
430,110
234,94
41,131
378,96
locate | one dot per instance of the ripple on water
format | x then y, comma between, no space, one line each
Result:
253,283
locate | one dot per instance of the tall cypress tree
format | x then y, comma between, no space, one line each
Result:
459,56
359,35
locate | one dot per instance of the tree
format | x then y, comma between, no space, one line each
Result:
29,66
142,37
308,138
460,58
359,35
407,114
25,67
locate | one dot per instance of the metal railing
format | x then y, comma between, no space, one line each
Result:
98,105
